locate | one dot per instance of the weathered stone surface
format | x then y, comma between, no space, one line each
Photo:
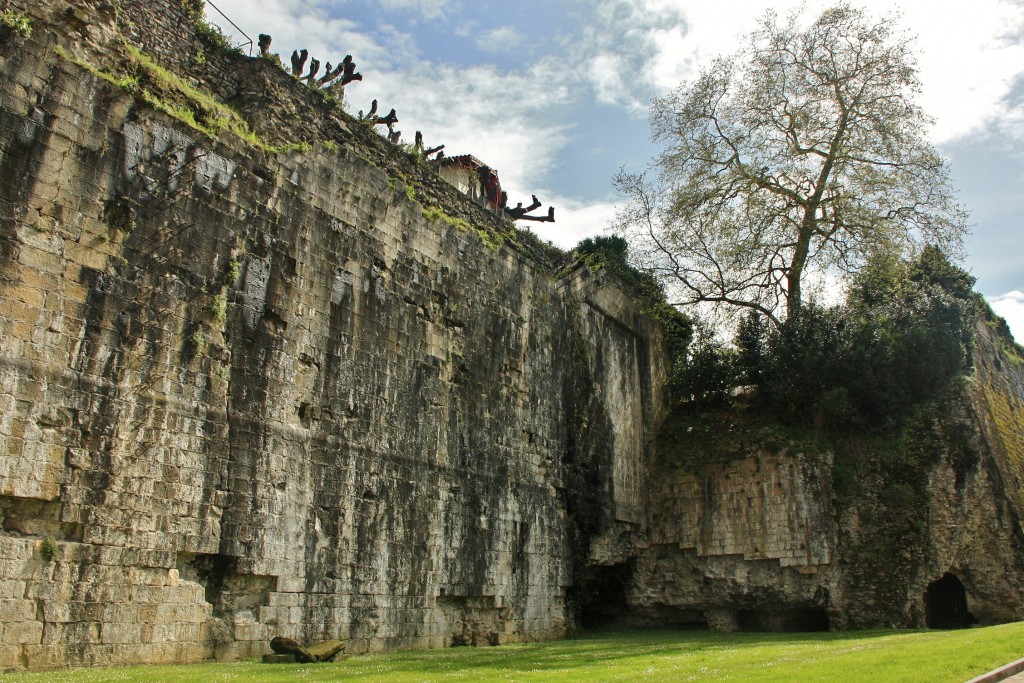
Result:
290,646
323,651
252,393
326,650
758,542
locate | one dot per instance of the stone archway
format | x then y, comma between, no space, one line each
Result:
945,604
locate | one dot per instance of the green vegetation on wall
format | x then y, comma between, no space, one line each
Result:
904,335
154,86
885,478
691,438
48,548
1004,414
209,33
16,22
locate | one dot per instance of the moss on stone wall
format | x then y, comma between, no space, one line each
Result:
877,497
881,481
1006,413
16,22
689,438
155,86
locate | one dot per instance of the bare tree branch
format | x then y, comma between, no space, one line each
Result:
804,150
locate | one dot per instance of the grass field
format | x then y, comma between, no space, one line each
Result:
889,656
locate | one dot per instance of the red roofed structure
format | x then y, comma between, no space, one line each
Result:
473,178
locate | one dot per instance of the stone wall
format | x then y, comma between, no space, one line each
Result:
738,544
293,383
248,393
763,539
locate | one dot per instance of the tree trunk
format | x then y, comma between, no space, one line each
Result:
795,274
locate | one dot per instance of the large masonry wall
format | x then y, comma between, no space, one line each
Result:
247,393
290,382
764,540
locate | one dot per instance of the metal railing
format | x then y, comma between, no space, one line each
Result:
237,27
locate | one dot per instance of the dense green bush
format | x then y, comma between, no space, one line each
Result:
902,337
612,252
709,373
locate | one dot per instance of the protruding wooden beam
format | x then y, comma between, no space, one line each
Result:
314,67
521,211
550,218
389,120
299,58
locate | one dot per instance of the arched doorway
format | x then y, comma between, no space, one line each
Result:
945,604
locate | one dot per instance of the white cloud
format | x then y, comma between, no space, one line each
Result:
502,118
575,219
428,9
965,87
622,49
970,52
295,27
500,40
1011,307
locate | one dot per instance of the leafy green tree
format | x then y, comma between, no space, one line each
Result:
710,372
902,338
751,340
803,152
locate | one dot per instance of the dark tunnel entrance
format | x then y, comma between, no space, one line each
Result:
603,594
945,604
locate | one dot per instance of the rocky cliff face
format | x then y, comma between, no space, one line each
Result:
263,374
915,529
250,389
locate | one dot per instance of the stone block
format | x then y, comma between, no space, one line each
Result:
12,589
120,633
22,633
18,610
10,657
80,633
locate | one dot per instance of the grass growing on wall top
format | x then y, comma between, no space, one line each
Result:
891,656
164,91
491,240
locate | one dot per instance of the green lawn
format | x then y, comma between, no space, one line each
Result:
889,656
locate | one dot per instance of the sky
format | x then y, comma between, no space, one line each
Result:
555,94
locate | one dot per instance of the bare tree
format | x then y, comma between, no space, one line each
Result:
805,151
